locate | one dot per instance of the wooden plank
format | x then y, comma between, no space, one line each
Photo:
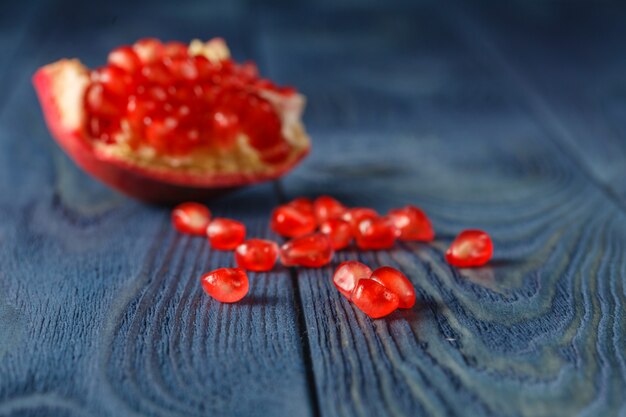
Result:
402,111
567,60
16,21
100,308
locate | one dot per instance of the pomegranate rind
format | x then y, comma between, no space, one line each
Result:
150,184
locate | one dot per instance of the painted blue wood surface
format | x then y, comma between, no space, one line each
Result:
100,309
565,60
529,335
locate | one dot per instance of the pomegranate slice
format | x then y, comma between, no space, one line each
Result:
168,123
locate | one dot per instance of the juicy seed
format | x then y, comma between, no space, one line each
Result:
356,215
303,204
256,255
339,232
126,59
226,234
191,218
412,224
374,299
227,285
114,81
100,103
214,103
291,221
396,282
327,208
375,233
175,50
311,251
348,274
148,50
470,248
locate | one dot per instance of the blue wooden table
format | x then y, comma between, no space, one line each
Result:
506,116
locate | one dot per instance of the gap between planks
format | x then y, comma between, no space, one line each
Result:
301,322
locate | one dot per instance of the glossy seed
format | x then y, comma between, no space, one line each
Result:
471,248
191,218
214,103
348,274
311,251
375,233
149,50
226,234
339,232
326,208
303,204
396,282
126,59
292,221
412,224
256,255
356,215
227,285
374,299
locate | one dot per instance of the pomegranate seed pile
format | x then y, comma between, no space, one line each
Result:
162,97
316,230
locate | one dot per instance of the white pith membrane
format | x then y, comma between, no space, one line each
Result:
70,79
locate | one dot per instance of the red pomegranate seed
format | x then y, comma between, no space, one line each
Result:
339,232
396,282
348,274
227,285
354,216
191,218
100,103
412,223
470,248
126,59
175,50
374,299
157,73
183,69
326,208
114,80
311,251
226,234
256,255
160,134
291,221
375,233
303,204
225,126
148,50
177,104
103,129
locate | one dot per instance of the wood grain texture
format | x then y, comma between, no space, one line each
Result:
565,60
539,332
101,313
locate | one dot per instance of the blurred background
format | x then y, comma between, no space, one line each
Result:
424,69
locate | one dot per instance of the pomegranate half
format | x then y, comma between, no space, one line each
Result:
167,122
